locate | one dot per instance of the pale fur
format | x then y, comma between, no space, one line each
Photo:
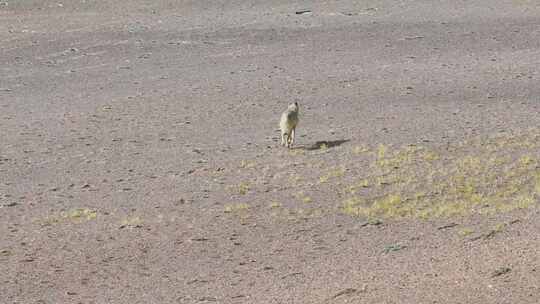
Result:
287,125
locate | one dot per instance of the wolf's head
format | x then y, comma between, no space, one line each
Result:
293,106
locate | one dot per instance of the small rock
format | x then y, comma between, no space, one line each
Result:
208,299
238,296
391,248
500,271
413,37
447,226
304,11
347,291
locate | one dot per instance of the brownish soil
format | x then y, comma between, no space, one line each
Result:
140,163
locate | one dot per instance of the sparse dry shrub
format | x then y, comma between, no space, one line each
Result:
478,176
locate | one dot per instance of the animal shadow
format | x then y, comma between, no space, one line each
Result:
326,143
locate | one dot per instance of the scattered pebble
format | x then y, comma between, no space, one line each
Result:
301,12
372,223
200,239
500,271
413,37
447,226
395,247
347,291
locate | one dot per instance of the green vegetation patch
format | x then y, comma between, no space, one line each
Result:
76,215
482,176
236,208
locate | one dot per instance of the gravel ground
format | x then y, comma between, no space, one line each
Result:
140,162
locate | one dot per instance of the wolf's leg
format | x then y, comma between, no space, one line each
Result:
289,139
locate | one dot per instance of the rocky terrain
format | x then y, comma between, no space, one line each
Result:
140,158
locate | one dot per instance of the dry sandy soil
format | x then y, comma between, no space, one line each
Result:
139,156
